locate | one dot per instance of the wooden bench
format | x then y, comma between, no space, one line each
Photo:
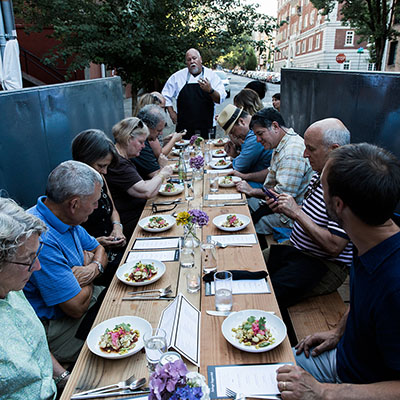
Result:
316,314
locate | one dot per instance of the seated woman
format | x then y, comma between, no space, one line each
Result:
94,148
128,188
249,100
27,369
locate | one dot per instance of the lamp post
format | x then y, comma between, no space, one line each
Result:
359,52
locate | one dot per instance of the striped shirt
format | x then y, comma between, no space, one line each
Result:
314,207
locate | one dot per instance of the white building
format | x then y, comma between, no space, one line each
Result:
310,40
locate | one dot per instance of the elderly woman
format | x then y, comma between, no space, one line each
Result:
249,100
27,369
94,148
128,188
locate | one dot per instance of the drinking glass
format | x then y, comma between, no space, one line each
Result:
223,290
187,254
213,179
155,345
193,281
211,134
208,257
189,190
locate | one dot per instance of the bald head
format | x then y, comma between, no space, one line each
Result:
193,61
321,138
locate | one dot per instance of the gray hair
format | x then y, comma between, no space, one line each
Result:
16,226
71,178
152,115
340,136
129,128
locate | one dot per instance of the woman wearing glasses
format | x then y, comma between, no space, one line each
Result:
128,188
94,148
27,369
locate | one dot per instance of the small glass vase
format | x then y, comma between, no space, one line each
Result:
198,174
190,238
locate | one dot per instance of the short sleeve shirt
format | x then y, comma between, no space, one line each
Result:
369,350
26,369
63,249
147,162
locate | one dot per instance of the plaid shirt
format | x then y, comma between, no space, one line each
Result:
289,172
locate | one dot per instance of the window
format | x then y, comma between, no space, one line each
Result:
349,41
312,17
346,65
392,53
297,48
305,21
371,67
310,40
317,41
303,46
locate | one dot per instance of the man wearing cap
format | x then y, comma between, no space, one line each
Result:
252,161
196,89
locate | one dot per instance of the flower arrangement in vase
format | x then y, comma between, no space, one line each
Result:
190,220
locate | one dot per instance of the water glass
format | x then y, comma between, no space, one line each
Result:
189,190
208,257
223,291
211,134
213,179
187,256
193,281
155,345
207,156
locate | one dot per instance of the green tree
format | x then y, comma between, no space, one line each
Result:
144,40
251,60
372,20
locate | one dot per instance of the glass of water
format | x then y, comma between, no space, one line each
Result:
189,190
155,345
213,179
223,290
211,134
208,257
187,253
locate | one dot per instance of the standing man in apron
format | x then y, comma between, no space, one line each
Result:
196,89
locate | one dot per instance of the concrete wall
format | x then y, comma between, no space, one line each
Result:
38,124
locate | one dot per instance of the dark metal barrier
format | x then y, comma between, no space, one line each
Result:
37,126
367,102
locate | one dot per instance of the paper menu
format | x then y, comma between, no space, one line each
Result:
242,286
219,171
249,238
168,255
156,243
248,379
181,321
225,196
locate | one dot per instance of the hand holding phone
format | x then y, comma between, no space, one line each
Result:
269,194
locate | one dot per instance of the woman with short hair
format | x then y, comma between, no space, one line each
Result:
249,100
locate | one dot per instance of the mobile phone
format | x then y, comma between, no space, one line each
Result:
269,193
174,180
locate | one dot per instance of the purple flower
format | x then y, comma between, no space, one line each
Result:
199,217
187,393
193,139
197,162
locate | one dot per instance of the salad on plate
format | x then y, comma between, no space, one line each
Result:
119,340
221,163
253,332
157,223
169,188
232,221
226,180
141,272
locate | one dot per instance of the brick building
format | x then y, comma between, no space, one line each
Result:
309,40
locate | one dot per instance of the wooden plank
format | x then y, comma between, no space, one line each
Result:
316,314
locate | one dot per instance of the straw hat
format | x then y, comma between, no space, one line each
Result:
228,117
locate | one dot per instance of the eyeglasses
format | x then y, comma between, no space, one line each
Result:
138,125
34,258
155,208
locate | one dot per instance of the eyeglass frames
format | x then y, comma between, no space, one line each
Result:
155,209
34,258
138,125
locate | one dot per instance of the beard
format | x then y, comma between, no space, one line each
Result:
332,215
194,70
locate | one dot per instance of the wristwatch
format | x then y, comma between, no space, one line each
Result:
99,266
211,91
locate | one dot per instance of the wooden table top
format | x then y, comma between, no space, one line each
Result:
92,371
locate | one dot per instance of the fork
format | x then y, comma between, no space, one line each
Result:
233,395
162,292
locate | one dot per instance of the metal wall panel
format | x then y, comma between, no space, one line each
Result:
367,102
38,124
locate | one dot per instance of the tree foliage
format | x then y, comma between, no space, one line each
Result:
144,40
372,20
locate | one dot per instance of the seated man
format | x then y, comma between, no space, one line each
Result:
360,358
62,292
316,259
252,162
289,171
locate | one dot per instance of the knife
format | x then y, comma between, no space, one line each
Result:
226,204
110,394
227,313
148,298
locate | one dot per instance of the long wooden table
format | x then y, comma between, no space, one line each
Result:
92,371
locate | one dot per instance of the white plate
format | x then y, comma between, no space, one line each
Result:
275,324
179,189
220,219
175,168
145,221
127,269
220,142
93,338
213,164
235,179
182,143
176,152
219,153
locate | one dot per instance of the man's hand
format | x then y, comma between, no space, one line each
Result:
288,206
230,149
296,384
244,187
111,241
166,172
85,274
239,174
119,239
321,341
205,85
162,160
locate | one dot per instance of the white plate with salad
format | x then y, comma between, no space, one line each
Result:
254,331
141,273
182,142
218,153
220,141
228,181
220,164
157,223
171,189
118,337
231,222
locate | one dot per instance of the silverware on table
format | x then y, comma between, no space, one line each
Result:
110,394
167,203
226,313
162,292
233,395
223,245
120,385
148,298
226,204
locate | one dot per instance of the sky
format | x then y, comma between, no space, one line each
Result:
268,7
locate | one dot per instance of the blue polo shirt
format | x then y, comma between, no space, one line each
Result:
369,350
252,158
62,250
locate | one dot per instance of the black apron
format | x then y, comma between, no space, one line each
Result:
195,110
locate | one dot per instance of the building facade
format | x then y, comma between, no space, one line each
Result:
307,39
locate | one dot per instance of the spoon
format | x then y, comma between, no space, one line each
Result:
119,385
223,245
133,386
